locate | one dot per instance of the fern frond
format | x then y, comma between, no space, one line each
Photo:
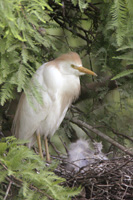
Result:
6,92
22,46
3,175
4,66
22,77
125,47
130,7
34,180
127,56
21,23
15,31
38,16
25,55
119,14
122,74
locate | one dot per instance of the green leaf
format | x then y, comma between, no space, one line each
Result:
119,13
3,147
25,56
74,2
122,74
34,179
82,4
3,174
6,92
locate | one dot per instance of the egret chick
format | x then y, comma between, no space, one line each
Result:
81,155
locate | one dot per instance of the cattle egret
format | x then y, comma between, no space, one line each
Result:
59,86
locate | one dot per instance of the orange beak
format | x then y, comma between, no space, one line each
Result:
84,70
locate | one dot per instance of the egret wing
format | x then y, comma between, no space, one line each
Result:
28,118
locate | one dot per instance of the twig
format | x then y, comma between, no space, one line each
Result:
64,144
55,149
117,133
94,130
112,179
95,85
121,134
8,189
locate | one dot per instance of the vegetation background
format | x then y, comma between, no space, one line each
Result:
36,31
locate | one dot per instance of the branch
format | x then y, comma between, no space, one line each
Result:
118,134
64,18
63,25
64,144
94,130
8,189
55,149
87,88
94,85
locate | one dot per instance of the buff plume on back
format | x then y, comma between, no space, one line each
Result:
59,86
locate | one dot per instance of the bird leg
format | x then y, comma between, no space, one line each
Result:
47,150
39,145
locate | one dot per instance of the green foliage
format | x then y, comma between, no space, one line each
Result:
34,32
26,40
113,48
122,23
23,43
120,16
83,4
28,173
122,74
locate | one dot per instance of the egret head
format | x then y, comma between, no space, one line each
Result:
71,63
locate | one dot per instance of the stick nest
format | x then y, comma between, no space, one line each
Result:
110,179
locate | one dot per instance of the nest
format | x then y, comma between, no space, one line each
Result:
104,180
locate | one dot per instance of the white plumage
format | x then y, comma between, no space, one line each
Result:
59,87
78,155
82,155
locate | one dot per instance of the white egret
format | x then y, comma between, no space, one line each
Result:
60,86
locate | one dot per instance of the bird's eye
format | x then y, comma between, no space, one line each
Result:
74,66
